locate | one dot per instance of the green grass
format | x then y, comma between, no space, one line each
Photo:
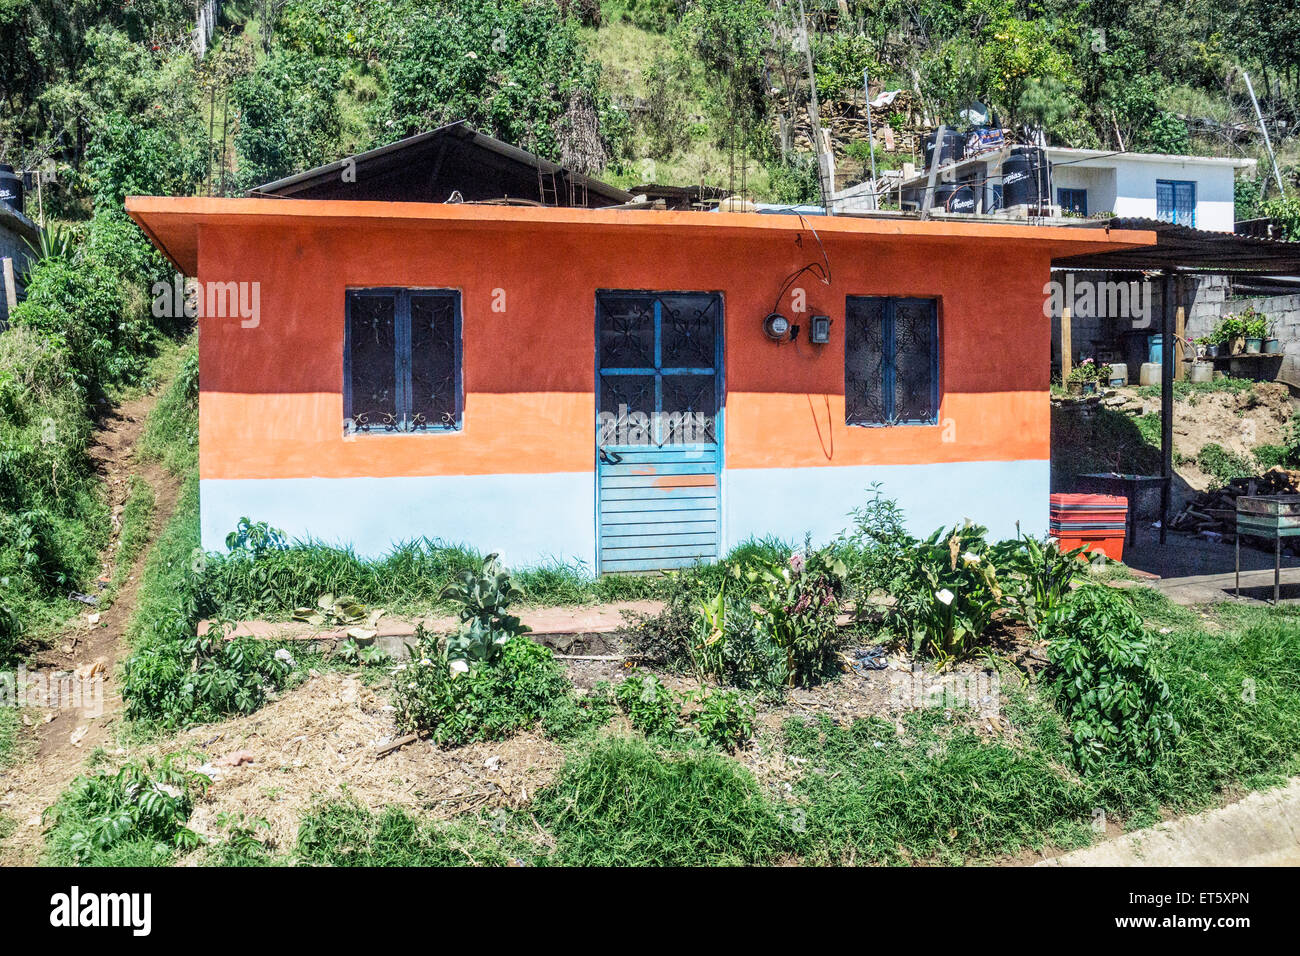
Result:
137,525
941,793
9,722
171,435
346,834
1190,391
626,803
410,579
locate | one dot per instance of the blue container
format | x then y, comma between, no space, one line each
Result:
1156,348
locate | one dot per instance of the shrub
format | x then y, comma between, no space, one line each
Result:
798,602
1035,575
948,595
455,703
1221,464
1117,706
649,705
134,815
724,718
878,550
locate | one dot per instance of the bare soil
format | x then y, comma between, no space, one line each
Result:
57,741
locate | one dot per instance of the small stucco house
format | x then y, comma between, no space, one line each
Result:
630,389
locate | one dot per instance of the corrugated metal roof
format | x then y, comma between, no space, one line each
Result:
1184,249
460,132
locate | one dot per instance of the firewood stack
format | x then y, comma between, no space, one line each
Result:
1216,511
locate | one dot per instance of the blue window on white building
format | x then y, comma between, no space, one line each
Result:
1176,201
1073,202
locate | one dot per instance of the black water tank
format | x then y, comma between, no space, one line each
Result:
954,197
953,148
11,187
1024,177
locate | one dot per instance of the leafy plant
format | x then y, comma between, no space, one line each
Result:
1035,575
253,539
483,599
798,602
457,704
147,803
650,706
947,599
1117,706
723,718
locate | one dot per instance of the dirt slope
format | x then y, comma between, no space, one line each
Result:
59,741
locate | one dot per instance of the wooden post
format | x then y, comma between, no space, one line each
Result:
11,290
1067,347
1166,403
1180,333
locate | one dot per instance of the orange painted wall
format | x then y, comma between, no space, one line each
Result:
272,405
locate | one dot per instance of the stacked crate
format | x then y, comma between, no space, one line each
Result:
1094,520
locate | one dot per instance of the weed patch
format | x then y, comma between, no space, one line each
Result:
626,803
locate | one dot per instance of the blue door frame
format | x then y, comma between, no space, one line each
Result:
658,489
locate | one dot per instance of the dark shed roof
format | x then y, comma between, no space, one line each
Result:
432,166
1183,249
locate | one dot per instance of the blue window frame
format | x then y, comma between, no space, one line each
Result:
1176,201
1074,201
402,361
891,361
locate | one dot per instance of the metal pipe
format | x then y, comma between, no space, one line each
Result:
1268,145
871,138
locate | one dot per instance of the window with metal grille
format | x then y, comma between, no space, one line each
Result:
1073,201
1176,201
891,361
402,361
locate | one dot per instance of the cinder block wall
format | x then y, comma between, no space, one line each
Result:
1211,302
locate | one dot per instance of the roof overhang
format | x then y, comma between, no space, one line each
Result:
1184,249
173,224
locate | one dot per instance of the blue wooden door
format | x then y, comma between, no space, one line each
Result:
658,450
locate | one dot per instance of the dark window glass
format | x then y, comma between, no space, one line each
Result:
688,330
657,361
891,361
402,365
627,333
372,350
434,386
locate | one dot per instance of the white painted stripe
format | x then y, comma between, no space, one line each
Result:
789,502
532,519
527,519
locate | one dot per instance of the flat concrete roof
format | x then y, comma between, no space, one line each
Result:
173,224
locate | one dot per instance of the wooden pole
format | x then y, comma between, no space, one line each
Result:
1180,334
1067,346
1166,403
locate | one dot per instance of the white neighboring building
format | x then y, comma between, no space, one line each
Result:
1189,190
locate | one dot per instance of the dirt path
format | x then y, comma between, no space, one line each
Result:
58,741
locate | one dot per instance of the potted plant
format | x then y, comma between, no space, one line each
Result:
1256,331
1087,377
1272,345
1202,347
1231,334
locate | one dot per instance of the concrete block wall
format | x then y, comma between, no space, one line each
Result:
1212,302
